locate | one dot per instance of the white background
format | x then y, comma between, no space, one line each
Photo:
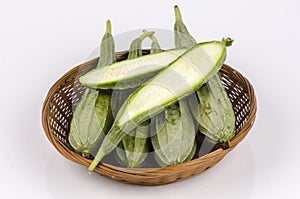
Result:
41,40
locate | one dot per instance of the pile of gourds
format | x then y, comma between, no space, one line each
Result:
170,132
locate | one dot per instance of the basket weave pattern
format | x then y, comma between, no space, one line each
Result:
58,108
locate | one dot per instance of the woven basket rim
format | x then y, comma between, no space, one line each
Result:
107,170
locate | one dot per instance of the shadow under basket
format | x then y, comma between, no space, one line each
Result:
57,114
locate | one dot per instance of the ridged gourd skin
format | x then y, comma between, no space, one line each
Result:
174,142
92,117
134,147
214,113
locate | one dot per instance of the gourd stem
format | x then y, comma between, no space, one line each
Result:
177,13
227,41
153,39
108,26
146,34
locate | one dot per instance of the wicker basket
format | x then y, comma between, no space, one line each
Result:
57,113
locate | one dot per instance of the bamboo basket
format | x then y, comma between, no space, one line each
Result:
57,113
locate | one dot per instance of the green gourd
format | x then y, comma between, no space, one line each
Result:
133,149
92,117
129,73
174,142
214,113
182,37
213,109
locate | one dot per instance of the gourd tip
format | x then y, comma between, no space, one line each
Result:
223,144
227,41
108,26
92,166
177,13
